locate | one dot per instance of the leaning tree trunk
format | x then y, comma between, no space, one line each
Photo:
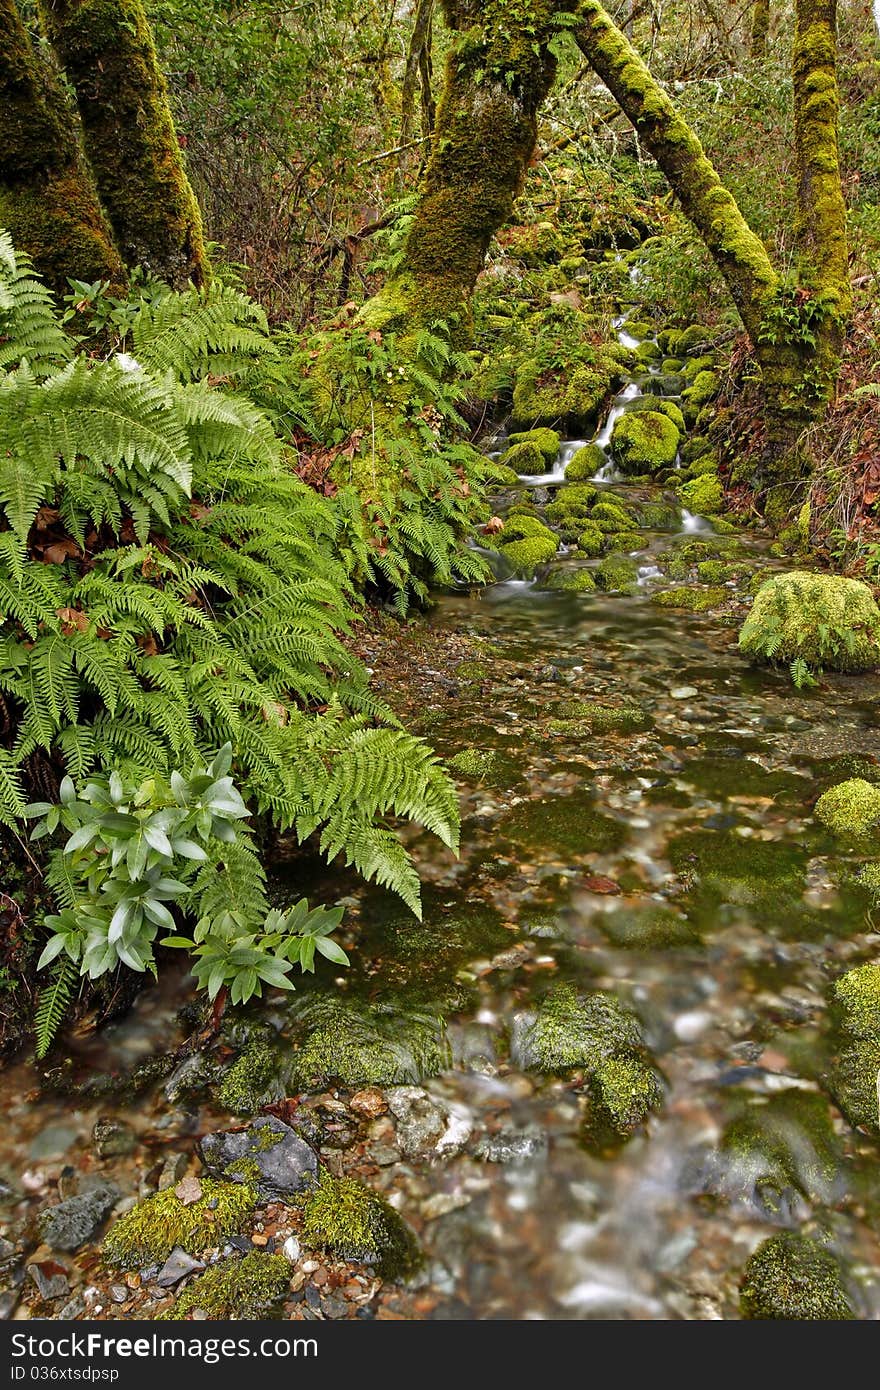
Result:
48,201
106,49
498,72
796,332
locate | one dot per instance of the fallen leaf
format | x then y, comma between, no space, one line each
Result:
598,883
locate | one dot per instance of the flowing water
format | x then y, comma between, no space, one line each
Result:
584,859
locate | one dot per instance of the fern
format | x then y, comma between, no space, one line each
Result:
54,1003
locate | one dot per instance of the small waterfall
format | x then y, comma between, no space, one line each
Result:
697,525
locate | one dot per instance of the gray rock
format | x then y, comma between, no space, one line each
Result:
292,1250
113,1138
173,1169
178,1265
426,1125
119,1293
73,1308
512,1146
268,1154
72,1222
51,1279
193,1075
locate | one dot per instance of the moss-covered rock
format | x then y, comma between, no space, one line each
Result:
149,1232
777,1149
649,928
691,600
238,1287
856,1015
525,459
610,516
703,389
661,405
477,764
851,809
644,442
591,541
570,825
791,1278
570,579
546,440
692,340
585,463
617,574
355,1223
254,1080
362,1045
605,719
765,874
704,495
648,351
821,619
526,543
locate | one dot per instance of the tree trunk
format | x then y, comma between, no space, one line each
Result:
106,49
48,201
415,68
760,28
739,254
498,72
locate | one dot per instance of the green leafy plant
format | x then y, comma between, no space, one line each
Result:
140,858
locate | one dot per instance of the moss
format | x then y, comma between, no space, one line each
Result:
695,448
149,1232
720,571
48,200
774,1145
703,496
791,1278
606,719
363,1045
243,1288
545,440
704,388
822,619
644,442
701,467
472,671
107,53
660,405
647,929
693,339
764,873
354,1223
251,1082
669,339
527,555
626,540
617,574
611,516
591,541
693,600
564,824
525,458
478,764
648,351
585,463
856,1001
570,580
623,1093
851,809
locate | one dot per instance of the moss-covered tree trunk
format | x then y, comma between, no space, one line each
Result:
498,72
760,28
48,200
106,49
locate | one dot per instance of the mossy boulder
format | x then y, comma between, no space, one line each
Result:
611,516
791,1278
585,463
855,1002
545,440
821,619
353,1222
570,580
595,1034
253,1080
617,574
644,442
477,764
149,1232
238,1287
660,404
526,543
591,541
703,389
703,496
696,447
360,1044
648,351
525,459
778,1151
691,600
851,809
692,339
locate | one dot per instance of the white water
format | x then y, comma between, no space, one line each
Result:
696,525
877,13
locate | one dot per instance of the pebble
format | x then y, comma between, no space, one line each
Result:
178,1265
50,1278
368,1103
291,1250
442,1203
684,692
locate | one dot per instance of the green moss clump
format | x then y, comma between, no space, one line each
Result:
791,1278
525,458
851,809
856,998
545,440
149,1232
472,671
585,463
869,878
648,351
773,1144
357,1224
669,339
564,824
856,1014
529,554
617,574
821,619
697,447
703,389
720,571
477,763
364,1046
662,406
623,1093
611,516
647,929
606,719
242,1288
693,600
644,442
570,580
692,339
626,540
251,1082
703,495
591,541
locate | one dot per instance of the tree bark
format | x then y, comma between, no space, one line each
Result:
48,201
498,72
106,49
415,68
760,28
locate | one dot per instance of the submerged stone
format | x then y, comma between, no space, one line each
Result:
792,1278
70,1223
647,929
691,600
567,824
364,1044
777,1150
820,619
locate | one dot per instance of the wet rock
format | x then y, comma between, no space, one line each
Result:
779,1153
361,1045
292,1250
856,1017
50,1278
113,1138
355,1223
512,1146
72,1222
74,1308
268,1155
368,1103
791,1278
253,1081
191,1077
178,1265
173,1169
442,1203
425,1125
